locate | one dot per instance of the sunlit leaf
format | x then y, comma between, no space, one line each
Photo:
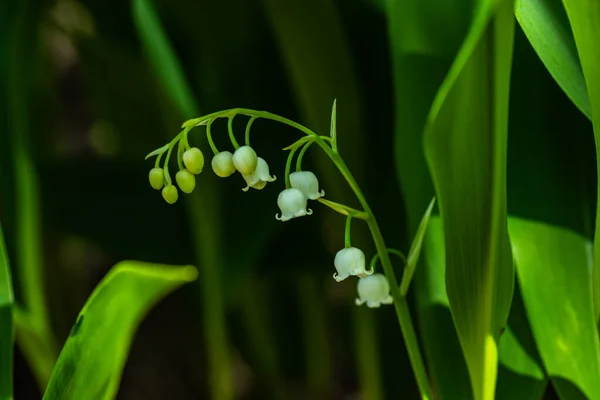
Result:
584,16
554,269
465,146
546,26
92,360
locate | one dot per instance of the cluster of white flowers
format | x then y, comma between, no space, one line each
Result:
373,289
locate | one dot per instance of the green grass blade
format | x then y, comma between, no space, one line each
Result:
415,250
465,146
553,268
204,224
546,26
584,16
6,324
163,58
92,360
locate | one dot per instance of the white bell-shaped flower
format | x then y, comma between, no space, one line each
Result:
292,204
245,160
222,164
373,290
350,261
260,177
308,183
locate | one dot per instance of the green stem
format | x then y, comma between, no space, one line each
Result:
288,167
301,155
210,139
393,251
180,154
231,135
347,242
247,135
400,304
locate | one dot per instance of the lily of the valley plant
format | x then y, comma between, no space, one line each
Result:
374,289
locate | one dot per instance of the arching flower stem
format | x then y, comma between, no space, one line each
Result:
375,258
288,167
231,135
210,139
347,241
248,126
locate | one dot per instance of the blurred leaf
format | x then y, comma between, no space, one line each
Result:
203,208
584,16
415,250
163,58
546,25
92,360
465,146
6,324
554,269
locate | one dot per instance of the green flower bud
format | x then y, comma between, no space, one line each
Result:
157,178
169,193
222,164
186,181
245,160
193,159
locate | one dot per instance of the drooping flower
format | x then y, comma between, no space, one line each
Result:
260,177
308,183
222,164
350,262
169,193
245,160
292,204
193,159
185,180
373,290
157,178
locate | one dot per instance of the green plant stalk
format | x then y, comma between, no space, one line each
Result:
400,303
41,357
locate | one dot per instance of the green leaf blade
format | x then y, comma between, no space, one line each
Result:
92,360
553,268
465,147
547,28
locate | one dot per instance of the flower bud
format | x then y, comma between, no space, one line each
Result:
169,193
193,159
292,204
157,178
222,164
186,181
350,261
260,177
245,160
373,290
308,183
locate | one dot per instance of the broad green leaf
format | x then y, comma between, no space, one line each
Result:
584,16
546,25
418,72
92,360
465,147
415,250
6,324
554,269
